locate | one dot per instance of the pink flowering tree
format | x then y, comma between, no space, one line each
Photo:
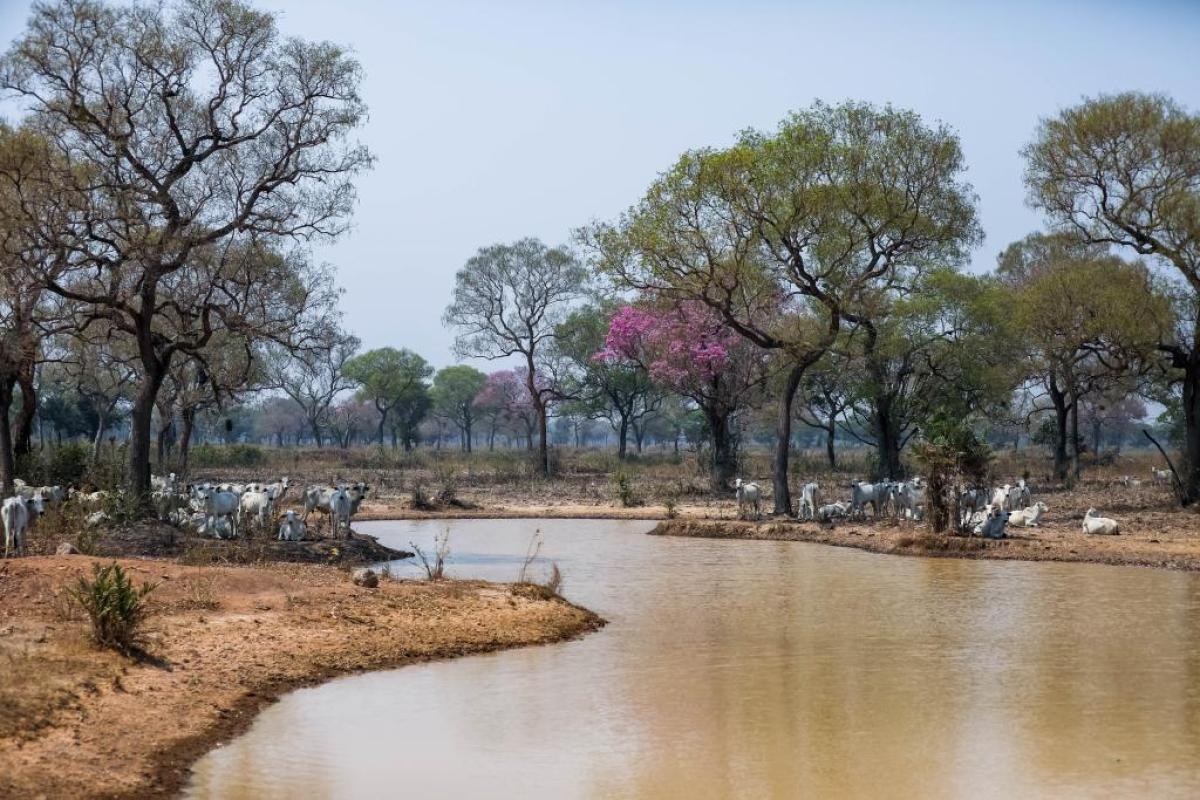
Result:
504,405
689,350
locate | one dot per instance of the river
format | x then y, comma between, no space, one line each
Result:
761,669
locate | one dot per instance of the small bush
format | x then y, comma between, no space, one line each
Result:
117,609
625,494
672,507
233,455
434,563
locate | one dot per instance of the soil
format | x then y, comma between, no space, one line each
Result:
76,721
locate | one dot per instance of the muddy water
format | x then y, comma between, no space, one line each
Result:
764,669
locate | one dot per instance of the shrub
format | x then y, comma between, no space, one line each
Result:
117,609
434,563
233,455
625,494
672,510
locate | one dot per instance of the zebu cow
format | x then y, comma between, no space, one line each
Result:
292,529
863,493
15,514
810,500
748,494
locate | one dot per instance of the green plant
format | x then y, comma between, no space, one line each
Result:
625,493
117,609
233,455
671,506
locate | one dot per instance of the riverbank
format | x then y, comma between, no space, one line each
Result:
1167,549
224,642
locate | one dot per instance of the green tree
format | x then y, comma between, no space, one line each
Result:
454,392
394,380
1124,170
782,232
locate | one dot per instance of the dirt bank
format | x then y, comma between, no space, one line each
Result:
78,722
1166,549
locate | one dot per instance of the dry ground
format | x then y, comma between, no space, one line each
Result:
79,722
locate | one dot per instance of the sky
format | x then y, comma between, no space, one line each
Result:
494,120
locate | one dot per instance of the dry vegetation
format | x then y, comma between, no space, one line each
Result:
221,642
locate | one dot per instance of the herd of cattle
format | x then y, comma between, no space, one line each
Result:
220,510
985,512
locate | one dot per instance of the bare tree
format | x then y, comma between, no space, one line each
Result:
508,301
189,135
315,377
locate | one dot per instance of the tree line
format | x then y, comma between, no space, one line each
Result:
160,196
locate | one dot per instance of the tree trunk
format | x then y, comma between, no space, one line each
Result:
1191,427
185,436
318,437
98,439
7,461
139,429
23,431
622,437
1059,399
1076,443
783,439
830,439
887,445
639,434
724,458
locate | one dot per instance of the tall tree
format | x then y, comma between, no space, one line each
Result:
388,378
188,134
508,301
1124,170
315,377
835,202
454,392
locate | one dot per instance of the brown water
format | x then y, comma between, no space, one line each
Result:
764,669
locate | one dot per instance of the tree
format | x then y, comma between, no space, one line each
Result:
1089,324
508,301
192,138
783,231
504,403
825,394
1124,170
103,373
618,390
389,378
454,392
690,350
277,418
315,377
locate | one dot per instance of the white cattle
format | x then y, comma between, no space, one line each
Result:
166,501
1100,526
992,526
1021,495
339,511
832,511
279,489
15,514
292,528
1130,482
748,494
316,498
93,501
1160,475
907,498
167,484
863,493
259,507
218,504
810,500
1000,496
1027,517
357,493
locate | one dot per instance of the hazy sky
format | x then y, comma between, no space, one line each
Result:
496,120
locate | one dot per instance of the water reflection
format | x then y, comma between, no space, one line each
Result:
764,669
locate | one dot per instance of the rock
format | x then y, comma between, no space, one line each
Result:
66,549
364,576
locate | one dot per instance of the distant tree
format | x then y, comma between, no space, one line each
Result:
1124,170
390,379
279,418
508,301
618,390
315,377
504,404
454,392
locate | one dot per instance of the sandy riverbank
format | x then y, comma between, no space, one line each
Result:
225,641
1165,549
